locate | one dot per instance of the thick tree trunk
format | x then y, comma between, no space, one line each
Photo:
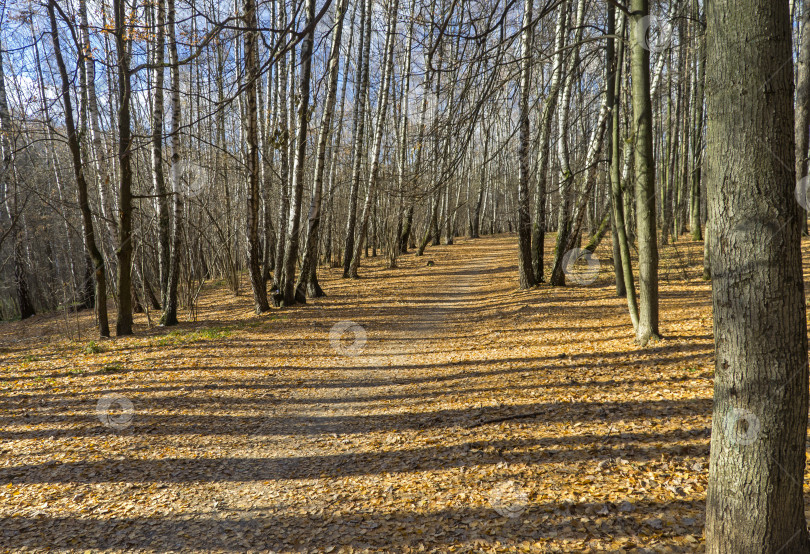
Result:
645,178
601,231
407,227
707,247
434,218
670,156
408,234
169,316
228,237
683,172
611,67
87,300
251,53
337,141
544,152
123,325
405,215
88,281
755,499
618,271
431,217
589,182
266,113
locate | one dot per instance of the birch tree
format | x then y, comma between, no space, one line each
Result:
307,279
382,109
288,289
81,182
525,272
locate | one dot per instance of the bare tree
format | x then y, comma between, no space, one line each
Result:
251,47
169,316
358,134
525,271
307,279
288,289
382,108
81,182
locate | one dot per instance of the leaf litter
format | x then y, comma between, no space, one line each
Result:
473,418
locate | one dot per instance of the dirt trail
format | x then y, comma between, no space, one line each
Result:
266,433
390,349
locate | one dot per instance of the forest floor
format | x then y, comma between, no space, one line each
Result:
251,433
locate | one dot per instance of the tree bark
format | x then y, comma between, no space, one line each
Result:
251,53
87,300
288,289
589,181
284,154
803,105
336,145
475,226
11,201
670,154
755,500
600,233
158,179
645,178
102,171
405,214
169,316
123,325
524,226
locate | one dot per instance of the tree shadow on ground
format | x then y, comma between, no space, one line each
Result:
322,528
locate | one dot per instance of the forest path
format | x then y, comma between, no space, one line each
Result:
475,417
408,341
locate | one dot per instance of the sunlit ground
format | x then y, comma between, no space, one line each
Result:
458,415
